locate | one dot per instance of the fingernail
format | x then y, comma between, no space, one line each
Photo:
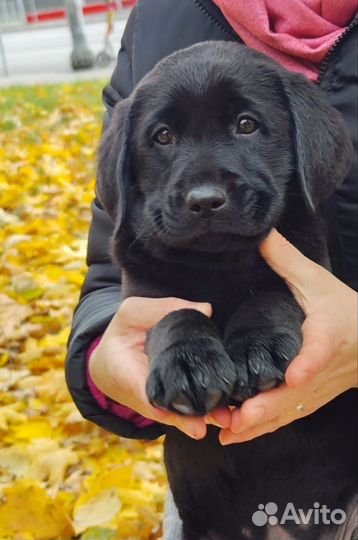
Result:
195,433
237,439
212,421
205,307
227,442
230,440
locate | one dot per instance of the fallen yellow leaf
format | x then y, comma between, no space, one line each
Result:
12,314
9,416
98,510
27,512
55,462
36,428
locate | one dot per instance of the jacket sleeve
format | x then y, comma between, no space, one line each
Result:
101,292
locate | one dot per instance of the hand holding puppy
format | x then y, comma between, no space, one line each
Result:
325,367
327,363
119,366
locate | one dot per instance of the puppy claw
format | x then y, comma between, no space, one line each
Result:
182,407
267,385
184,379
239,396
261,359
211,400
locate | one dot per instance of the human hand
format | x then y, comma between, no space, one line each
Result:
119,367
325,367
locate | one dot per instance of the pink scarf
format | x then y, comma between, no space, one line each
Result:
296,33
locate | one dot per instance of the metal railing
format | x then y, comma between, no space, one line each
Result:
23,14
4,65
12,12
12,16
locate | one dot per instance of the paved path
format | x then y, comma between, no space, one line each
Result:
41,55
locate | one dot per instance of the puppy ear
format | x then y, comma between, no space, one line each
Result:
113,171
322,142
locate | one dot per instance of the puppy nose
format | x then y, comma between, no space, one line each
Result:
205,201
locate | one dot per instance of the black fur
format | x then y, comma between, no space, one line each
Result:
189,216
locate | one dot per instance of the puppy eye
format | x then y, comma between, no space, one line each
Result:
246,125
163,136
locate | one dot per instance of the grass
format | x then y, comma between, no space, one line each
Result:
25,100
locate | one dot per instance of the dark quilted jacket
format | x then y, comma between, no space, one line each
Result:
155,29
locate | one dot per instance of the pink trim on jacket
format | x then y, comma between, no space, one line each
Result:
108,404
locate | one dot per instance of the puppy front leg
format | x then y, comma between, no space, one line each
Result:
190,371
262,338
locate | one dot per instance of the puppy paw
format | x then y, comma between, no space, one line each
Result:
261,358
191,378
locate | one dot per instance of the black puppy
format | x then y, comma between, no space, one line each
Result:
215,146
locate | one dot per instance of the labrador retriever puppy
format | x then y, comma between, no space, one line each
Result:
216,146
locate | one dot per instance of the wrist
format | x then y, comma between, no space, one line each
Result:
104,401
97,372
99,396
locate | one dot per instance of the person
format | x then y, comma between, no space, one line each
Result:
106,368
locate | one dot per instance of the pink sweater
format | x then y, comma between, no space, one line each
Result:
108,404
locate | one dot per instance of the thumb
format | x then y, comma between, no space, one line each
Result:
301,275
317,350
143,313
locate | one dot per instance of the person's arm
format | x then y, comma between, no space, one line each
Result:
327,363
101,292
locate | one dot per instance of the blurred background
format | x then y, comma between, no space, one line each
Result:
61,477
37,38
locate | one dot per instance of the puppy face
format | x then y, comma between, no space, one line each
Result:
204,153
212,159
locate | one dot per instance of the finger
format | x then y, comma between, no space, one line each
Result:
307,365
245,417
192,426
219,418
143,313
302,275
316,352
284,403
227,437
263,407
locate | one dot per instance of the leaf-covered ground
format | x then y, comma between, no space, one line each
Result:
60,476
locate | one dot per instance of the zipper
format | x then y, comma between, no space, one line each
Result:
327,58
324,66
230,33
